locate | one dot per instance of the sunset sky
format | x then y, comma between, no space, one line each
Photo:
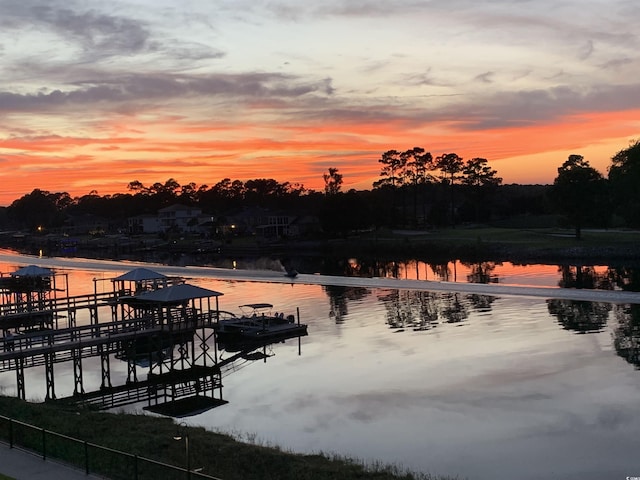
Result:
94,95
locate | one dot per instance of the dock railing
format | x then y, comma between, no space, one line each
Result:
93,459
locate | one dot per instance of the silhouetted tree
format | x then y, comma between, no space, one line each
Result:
158,195
115,207
450,166
345,212
391,172
332,182
480,180
188,194
624,177
392,176
477,173
578,191
222,196
264,191
417,164
39,209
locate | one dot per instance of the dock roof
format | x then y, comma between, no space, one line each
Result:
175,294
140,274
32,271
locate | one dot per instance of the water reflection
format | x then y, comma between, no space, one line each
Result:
626,335
482,272
482,303
339,296
625,278
410,309
584,277
484,401
564,276
579,316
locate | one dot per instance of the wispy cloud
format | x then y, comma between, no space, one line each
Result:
243,85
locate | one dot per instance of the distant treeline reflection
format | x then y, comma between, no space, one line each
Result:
569,276
417,311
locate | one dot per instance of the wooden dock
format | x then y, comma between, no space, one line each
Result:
151,317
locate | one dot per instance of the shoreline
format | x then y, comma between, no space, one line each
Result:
270,276
519,246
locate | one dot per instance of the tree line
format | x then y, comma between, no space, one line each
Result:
415,189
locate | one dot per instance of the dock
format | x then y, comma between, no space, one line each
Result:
161,323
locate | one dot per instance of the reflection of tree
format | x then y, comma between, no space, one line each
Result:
428,310
482,303
417,310
625,278
361,267
421,310
442,270
481,272
338,298
583,277
626,336
454,310
398,308
388,269
580,316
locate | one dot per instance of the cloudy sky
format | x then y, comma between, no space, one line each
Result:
94,95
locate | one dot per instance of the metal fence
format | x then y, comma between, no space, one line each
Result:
92,458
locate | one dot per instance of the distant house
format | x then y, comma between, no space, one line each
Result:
254,221
244,221
276,225
143,224
181,218
86,224
270,224
206,225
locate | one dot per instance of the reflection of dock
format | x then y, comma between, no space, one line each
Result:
155,323
171,393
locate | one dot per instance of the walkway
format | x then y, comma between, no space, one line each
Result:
24,465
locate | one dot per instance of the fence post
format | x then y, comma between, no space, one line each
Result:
10,433
135,467
44,444
86,457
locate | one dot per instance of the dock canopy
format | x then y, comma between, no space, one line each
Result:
32,271
257,305
140,274
174,295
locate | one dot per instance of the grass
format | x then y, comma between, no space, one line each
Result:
499,244
518,242
219,455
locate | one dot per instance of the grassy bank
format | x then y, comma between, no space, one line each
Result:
466,243
217,454
497,244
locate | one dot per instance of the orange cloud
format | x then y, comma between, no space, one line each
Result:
155,149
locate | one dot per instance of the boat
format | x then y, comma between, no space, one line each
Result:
258,324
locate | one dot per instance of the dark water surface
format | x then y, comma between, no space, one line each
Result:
484,387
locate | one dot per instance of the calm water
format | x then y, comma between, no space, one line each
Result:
457,384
